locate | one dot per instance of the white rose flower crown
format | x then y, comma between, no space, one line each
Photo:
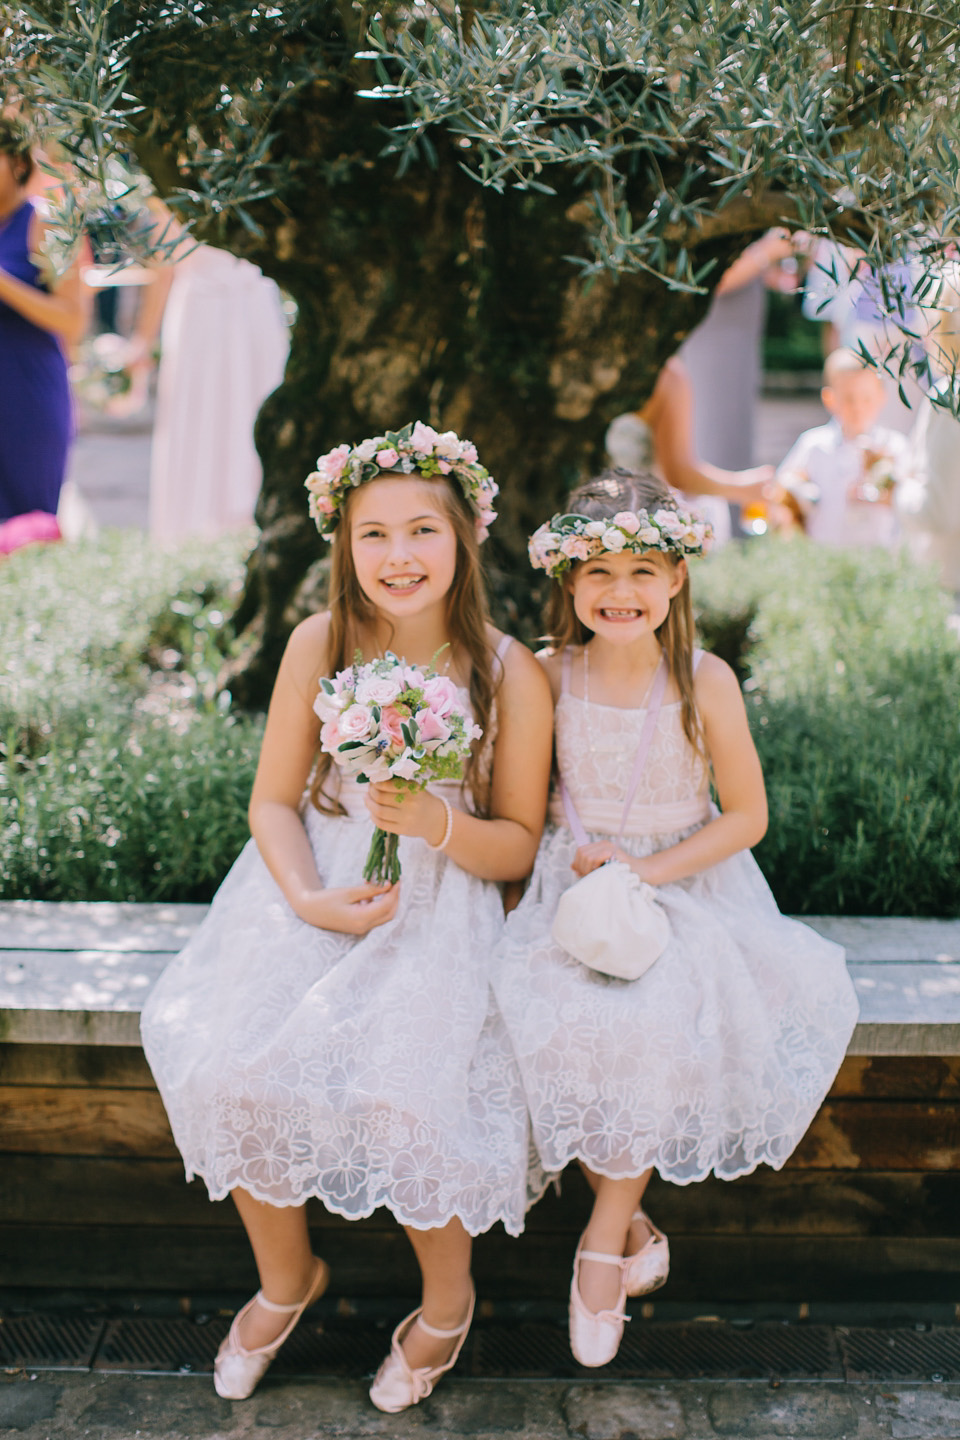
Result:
568,538
416,449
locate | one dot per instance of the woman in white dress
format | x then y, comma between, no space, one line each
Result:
324,1037
223,348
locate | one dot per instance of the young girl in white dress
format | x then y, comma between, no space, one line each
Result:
320,1036
718,1057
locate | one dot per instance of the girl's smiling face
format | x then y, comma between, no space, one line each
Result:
623,596
403,544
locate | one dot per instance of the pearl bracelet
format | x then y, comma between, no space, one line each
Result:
447,829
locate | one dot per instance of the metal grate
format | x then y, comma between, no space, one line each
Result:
665,1352
149,1346
901,1354
661,1350
43,1342
184,1347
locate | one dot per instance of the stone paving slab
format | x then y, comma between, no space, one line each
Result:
125,1407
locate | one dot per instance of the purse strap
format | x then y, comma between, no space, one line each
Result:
657,692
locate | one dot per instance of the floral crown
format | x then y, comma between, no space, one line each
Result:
417,448
568,538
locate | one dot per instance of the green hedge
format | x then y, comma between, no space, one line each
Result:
852,680
122,776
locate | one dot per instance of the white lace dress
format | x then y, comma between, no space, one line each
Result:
298,1062
718,1058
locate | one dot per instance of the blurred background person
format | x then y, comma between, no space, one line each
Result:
928,504
223,348
40,316
660,435
839,479
843,294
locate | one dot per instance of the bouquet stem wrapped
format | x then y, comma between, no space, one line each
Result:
382,864
387,720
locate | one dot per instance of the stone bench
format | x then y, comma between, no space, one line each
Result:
92,1192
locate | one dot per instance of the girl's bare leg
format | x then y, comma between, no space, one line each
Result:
444,1259
639,1232
281,1248
607,1231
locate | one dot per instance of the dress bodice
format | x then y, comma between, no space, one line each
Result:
596,747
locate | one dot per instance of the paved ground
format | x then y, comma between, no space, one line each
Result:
111,464
125,1407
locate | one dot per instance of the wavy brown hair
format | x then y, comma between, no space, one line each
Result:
601,499
466,619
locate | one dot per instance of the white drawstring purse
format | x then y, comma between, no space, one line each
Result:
611,920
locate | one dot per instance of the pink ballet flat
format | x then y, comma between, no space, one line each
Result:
649,1267
595,1336
237,1371
396,1385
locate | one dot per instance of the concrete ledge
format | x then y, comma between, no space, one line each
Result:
78,974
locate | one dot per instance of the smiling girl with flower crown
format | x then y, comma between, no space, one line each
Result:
718,1056
328,1037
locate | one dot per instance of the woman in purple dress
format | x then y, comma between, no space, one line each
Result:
38,316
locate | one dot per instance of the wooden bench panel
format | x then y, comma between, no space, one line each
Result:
50,1189
92,1193
189,1260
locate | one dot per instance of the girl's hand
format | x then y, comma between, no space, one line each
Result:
406,812
591,857
352,910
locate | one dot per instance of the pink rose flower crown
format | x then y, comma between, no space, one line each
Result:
417,449
568,538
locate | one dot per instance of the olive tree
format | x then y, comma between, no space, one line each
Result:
499,217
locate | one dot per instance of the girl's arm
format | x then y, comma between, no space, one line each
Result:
286,759
62,311
737,776
505,846
669,413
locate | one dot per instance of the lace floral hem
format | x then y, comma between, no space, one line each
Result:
367,1072
713,1062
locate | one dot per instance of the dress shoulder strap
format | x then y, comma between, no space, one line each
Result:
565,662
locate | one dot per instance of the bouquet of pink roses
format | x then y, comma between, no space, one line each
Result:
387,720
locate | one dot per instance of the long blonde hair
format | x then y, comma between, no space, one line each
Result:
600,499
467,618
